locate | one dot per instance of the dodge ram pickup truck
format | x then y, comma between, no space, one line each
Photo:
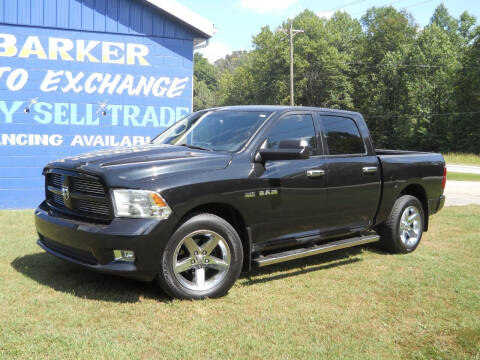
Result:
227,189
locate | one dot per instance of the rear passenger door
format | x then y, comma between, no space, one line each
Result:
353,175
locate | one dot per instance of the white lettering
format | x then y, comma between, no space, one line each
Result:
89,88
50,81
177,86
111,85
72,82
110,49
18,74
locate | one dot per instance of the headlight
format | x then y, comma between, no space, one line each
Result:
139,204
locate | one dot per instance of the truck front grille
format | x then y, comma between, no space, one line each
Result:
87,186
57,199
77,194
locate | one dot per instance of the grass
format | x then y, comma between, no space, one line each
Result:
359,303
462,176
462,159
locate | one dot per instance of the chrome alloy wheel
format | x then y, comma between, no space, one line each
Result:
201,260
410,226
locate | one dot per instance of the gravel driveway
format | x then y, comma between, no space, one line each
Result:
462,193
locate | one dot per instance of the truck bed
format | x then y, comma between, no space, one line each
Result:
387,152
400,168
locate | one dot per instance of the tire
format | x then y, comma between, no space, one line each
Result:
202,259
403,230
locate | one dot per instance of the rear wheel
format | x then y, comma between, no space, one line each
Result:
203,258
403,230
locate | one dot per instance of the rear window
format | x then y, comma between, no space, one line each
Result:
342,136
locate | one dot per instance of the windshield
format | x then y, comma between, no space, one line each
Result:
221,130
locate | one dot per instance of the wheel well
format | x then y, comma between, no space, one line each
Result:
419,192
234,218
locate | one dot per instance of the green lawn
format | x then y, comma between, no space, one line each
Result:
462,159
360,303
462,176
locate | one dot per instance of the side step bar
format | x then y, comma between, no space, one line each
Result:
318,249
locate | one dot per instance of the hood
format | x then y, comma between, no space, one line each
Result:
133,164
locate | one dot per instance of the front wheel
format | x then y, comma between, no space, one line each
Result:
403,230
203,258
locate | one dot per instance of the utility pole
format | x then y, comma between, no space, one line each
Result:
292,33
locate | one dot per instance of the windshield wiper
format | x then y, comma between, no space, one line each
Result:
194,147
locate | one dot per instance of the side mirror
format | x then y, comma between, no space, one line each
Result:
291,149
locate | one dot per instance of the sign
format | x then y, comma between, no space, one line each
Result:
67,92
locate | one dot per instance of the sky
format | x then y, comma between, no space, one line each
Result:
238,21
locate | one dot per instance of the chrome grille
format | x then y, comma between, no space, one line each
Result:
56,180
92,207
86,197
86,186
57,199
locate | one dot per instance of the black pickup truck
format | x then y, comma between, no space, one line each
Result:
229,188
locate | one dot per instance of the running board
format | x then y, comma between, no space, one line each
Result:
317,249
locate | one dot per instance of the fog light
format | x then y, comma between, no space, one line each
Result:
124,255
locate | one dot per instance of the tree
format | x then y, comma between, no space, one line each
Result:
205,83
380,89
417,88
232,61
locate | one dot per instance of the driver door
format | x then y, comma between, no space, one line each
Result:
296,208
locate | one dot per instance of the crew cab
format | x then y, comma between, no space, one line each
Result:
230,188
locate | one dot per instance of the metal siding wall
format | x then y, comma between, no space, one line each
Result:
135,18
50,13
66,113
147,21
116,16
23,12
11,11
87,14
123,16
37,12
63,11
112,16
74,14
2,5
99,18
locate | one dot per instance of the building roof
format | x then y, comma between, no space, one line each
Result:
203,26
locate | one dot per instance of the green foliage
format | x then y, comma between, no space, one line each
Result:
417,88
232,61
462,159
463,177
205,83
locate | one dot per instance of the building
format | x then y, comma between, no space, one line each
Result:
79,75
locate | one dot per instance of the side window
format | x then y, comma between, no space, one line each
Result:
293,127
342,135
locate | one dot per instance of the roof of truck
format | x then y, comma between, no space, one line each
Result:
276,108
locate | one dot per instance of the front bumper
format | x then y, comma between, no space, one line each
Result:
91,245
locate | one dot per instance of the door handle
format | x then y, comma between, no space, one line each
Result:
315,173
369,169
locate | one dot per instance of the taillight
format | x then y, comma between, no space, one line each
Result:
444,180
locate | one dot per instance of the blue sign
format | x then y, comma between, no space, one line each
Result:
67,92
